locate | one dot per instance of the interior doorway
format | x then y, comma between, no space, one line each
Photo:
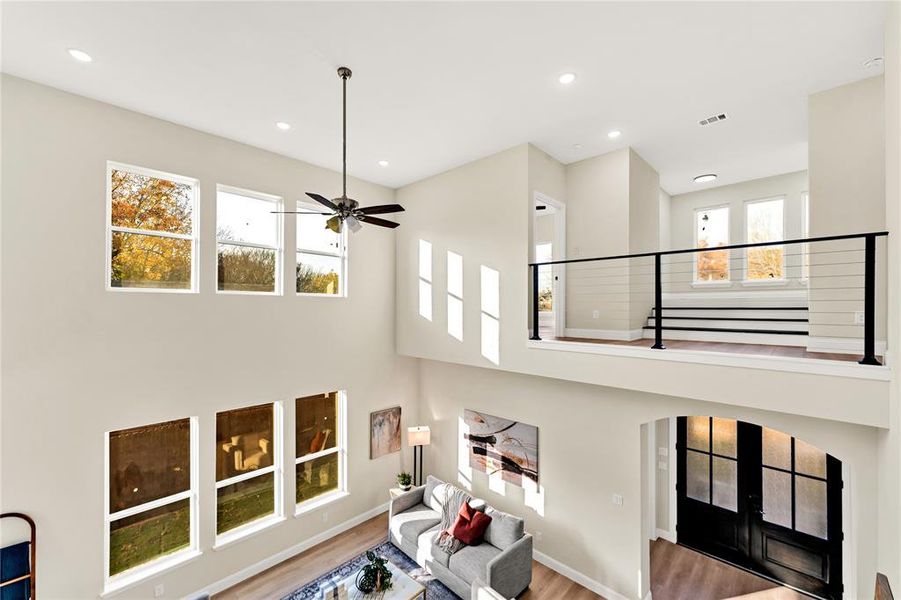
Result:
549,243
761,500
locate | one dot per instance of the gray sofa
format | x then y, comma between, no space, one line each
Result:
503,560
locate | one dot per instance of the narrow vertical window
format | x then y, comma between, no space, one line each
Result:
151,498
247,468
455,295
712,231
248,237
151,230
764,223
321,254
320,447
425,279
491,313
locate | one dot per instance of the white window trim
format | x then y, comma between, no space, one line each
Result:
279,226
193,237
341,450
340,254
277,515
762,282
694,263
134,575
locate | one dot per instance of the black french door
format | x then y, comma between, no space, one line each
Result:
762,500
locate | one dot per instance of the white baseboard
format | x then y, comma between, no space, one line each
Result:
841,345
625,335
669,536
247,572
580,578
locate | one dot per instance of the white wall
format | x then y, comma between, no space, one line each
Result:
79,361
790,186
580,428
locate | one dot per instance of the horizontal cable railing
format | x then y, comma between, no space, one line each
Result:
621,297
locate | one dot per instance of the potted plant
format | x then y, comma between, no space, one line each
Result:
404,480
375,576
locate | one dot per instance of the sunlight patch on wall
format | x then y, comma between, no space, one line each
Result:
464,471
425,279
455,295
533,495
491,313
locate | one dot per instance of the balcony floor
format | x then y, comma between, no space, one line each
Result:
725,347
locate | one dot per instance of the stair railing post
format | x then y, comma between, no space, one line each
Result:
869,302
535,335
658,306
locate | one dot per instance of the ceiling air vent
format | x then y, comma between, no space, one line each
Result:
713,119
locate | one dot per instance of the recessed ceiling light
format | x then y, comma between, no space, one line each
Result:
705,178
80,55
873,63
282,125
614,134
567,78
383,163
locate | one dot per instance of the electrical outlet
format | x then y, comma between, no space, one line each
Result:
662,465
158,591
617,500
595,314
858,318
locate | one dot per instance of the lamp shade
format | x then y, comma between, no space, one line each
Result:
419,436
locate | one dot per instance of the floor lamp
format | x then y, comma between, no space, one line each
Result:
417,437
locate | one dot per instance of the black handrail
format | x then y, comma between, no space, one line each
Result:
869,324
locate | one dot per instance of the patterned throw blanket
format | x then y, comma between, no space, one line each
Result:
453,500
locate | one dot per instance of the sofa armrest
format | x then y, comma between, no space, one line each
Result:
510,572
406,501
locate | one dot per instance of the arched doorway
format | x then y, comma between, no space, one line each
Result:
761,500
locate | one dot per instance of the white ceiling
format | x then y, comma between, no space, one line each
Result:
436,85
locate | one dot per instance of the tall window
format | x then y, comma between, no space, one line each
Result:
249,241
247,474
491,313
425,279
151,497
455,295
321,254
544,253
151,235
764,222
712,231
319,438
711,461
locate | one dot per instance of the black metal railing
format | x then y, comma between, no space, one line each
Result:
643,277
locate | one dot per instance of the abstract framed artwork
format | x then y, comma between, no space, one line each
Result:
498,445
384,432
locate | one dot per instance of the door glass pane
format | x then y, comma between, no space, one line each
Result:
809,460
810,506
724,437
697,468
698,433
777,497
245,501
725,483
776,449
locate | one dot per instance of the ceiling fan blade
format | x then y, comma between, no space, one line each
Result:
379,222
297,212
381,209
323,201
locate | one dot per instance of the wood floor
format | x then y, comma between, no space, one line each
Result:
752,349
295,572
678,573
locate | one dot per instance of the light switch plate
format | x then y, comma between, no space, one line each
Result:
617,500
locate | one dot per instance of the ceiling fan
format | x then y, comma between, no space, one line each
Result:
346,210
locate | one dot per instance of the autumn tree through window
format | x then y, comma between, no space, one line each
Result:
712,230
151,229
764,221
248,235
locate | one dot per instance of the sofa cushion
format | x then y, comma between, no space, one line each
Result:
470,525
471,562
427,548
504,529
430,483
408,525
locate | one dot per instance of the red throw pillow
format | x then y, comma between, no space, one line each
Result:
470,525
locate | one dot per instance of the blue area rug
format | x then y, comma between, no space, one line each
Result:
435,590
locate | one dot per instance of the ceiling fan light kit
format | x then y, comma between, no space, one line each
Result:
344,210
